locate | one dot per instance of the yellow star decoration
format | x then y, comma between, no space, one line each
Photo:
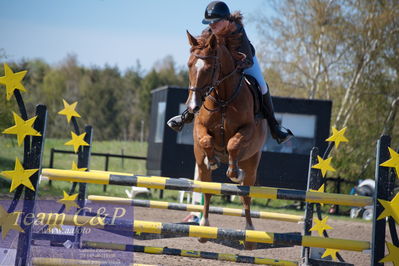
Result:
77,141
320,226
321,190
12,81
22,128
391,208
69,201
75,167
337,136
393,255
324,165
19,176
8,221
69,110
393,162
330,252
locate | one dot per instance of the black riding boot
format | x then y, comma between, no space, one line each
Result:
177,122
279,133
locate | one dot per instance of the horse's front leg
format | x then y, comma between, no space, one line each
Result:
203,149
207,143
236,147
204,174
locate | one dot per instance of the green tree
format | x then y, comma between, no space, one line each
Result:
132,114
345,51
100,102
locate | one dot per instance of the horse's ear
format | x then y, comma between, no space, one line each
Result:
191,39
212,42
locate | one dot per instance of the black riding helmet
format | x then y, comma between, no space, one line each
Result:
215,11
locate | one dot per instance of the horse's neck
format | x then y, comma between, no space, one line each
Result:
228,87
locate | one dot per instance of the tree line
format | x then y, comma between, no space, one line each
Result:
114,103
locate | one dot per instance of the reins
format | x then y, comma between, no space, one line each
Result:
224,103
215,83
221,104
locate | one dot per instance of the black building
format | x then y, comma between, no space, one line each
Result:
171,154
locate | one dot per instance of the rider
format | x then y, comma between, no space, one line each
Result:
217,15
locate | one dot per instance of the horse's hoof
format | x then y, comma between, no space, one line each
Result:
212,164
237,176
249,245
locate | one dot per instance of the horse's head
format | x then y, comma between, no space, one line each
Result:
203,66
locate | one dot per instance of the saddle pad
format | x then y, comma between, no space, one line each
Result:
256,94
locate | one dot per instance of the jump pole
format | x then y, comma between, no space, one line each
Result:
187,253
183,230
194,208
105,178
41,261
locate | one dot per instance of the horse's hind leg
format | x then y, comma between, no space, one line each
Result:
250,166
236,148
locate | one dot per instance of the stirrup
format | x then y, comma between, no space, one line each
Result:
281,134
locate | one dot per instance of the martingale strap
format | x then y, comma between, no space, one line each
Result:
224,103
222,106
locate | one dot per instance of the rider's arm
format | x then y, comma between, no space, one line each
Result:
246,48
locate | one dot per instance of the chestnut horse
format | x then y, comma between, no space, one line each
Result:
225,127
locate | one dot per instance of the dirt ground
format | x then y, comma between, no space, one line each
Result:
341,229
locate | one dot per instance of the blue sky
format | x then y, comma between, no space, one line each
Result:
116,32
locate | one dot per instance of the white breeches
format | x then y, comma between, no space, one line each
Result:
256,72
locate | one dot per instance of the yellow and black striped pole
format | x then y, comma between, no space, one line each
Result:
107,178
184,230
194,208
187,253
42,261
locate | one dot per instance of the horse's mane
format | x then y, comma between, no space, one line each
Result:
232,40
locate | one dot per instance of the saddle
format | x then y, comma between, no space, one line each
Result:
256,95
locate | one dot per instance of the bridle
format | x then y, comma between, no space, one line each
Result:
206,90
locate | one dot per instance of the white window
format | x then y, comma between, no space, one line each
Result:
304,129
186,135
160,125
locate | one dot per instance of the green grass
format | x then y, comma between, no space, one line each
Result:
9,150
